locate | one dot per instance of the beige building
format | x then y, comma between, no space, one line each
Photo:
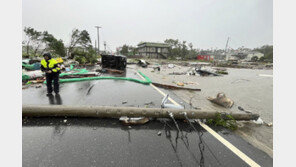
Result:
153,50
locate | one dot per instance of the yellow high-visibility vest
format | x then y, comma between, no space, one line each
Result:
51,65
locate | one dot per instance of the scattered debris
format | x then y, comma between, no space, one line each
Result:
205,72
259,121
156,68
269,124
150,103
171,65
115,71
65,120
165,105
178,73
180,84
241,109
173,87
222,72
142,63
222,100
124,102
38,86
159,133
133,121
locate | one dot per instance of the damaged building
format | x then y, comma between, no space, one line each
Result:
153,50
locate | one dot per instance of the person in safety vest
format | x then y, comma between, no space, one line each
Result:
52,70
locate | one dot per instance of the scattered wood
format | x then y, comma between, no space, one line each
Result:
173,87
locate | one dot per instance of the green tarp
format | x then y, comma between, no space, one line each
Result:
146,81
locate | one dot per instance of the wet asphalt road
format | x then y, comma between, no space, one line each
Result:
105,142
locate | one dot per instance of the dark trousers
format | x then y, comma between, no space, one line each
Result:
55,78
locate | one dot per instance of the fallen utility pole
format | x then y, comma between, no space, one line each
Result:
116,112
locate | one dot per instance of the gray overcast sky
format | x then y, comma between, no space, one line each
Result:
205,23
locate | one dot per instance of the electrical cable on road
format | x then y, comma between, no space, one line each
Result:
200,134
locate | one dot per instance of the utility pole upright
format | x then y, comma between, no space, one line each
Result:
98,31
105,45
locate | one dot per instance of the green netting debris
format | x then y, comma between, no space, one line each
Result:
80,71
28,66
146,81
25,77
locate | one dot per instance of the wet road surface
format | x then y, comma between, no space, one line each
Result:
105,142
250,89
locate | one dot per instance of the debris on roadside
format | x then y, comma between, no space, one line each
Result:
38,86
149,103
124,102
220,70
222,100
164,104
159,133
180,83
259,121
171,65
133,121
173,87
114,71
142,63
156,68
205,72
242,109
178,73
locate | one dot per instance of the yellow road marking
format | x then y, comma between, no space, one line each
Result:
231,147
236,151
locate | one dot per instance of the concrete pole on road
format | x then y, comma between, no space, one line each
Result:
98,31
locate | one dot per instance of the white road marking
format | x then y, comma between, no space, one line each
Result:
265,75
231,147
